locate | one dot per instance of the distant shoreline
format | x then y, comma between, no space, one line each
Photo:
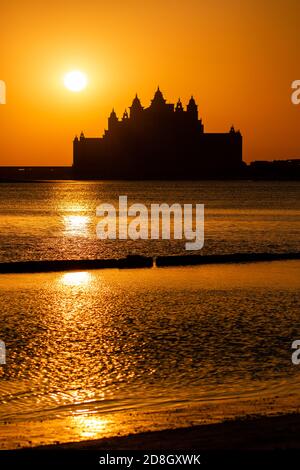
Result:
260,170
295,178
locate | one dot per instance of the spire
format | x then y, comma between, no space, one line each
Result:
136,103
136,108
82,136
179,106
158,97
113,114
192,109
113,120
125,115
192,102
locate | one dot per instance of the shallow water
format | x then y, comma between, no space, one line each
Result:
136,349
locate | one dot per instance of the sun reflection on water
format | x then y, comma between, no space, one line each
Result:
90,426
76,225
78,278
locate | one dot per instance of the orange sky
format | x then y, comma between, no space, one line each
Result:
238,58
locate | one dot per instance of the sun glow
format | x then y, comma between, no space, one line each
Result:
76,225
80,278
90,426
75,81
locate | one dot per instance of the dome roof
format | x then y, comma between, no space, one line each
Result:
192,101
136,103
158,97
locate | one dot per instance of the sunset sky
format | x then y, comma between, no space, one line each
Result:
237,57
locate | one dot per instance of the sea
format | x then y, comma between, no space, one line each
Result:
100,353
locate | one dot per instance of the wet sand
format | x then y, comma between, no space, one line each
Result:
262,442
261,433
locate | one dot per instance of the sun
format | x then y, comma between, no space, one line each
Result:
75,80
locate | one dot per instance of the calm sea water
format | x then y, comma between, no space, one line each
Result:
58,220
96,353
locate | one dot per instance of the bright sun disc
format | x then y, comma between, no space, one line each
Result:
75,80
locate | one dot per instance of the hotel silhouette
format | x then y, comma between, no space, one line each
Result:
163,141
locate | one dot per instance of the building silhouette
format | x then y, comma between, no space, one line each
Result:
163,141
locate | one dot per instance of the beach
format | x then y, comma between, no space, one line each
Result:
250,441
255,433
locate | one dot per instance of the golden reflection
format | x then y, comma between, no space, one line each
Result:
90,426
80,278
76,225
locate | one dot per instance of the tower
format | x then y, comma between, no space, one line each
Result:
136,108
76,152
113,121
179,107
158,100
192,109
